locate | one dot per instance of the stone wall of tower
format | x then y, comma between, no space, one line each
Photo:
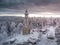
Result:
26,29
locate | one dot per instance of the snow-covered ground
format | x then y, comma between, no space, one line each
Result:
38,37
21,39
45,40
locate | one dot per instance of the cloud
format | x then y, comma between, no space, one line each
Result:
40,2
35,6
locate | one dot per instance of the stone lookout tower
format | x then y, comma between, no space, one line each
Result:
26,29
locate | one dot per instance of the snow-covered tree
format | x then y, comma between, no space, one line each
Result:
3,33
12,25
20,27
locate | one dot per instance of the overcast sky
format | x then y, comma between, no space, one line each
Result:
36,6
45,5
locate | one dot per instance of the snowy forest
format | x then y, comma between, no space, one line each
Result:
40,26
43,31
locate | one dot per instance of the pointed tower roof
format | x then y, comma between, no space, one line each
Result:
26,12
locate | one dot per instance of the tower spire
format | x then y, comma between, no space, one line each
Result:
26,12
